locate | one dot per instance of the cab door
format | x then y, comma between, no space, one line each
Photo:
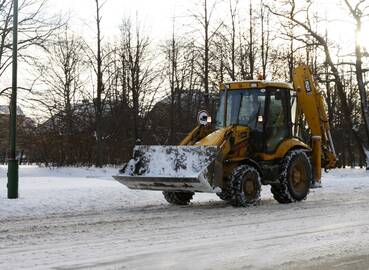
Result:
277,125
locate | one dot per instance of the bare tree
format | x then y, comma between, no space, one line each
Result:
233,13
265,38
141,76
34,28
251,43
61,76
204,19
291,15
357,14
99,88
173,59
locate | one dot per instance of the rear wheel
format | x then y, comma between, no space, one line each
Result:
178,197
294,179
246,186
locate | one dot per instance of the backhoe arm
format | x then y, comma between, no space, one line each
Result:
310,103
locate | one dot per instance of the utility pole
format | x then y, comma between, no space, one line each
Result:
13,162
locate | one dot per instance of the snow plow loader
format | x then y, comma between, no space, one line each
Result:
265,133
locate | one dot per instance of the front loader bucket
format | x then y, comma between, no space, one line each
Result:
170,168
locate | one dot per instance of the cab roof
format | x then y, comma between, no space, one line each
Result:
252,84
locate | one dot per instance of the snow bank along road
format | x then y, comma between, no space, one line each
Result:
81,219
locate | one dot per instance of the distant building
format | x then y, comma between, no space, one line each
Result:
23,124
4,111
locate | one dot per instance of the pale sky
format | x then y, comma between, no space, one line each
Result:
157,14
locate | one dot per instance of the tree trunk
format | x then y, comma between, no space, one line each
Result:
206,56
360,80
251,46
172,88
99,90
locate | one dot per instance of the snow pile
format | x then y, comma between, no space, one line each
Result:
170,161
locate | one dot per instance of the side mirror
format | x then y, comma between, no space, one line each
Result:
203,118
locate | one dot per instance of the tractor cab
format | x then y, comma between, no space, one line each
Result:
264,107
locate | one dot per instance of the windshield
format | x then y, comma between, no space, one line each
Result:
243,107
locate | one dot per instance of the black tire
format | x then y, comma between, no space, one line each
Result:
225,195
178,197
294,179
246,186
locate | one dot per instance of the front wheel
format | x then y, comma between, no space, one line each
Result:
178,197
225,195
246,186
295,178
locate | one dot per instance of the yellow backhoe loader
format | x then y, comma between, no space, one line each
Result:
269,133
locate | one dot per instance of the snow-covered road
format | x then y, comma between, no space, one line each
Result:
79,219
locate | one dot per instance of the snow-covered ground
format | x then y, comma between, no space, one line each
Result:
80,218
44,191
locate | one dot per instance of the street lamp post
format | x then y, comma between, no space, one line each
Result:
13,162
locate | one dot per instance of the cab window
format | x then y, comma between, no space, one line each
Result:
244,107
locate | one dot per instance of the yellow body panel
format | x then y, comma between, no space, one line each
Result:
195,135
282,149
316,144
308,99
239,146
241,135
311,104
215,138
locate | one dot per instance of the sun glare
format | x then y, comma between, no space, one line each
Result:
364,40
